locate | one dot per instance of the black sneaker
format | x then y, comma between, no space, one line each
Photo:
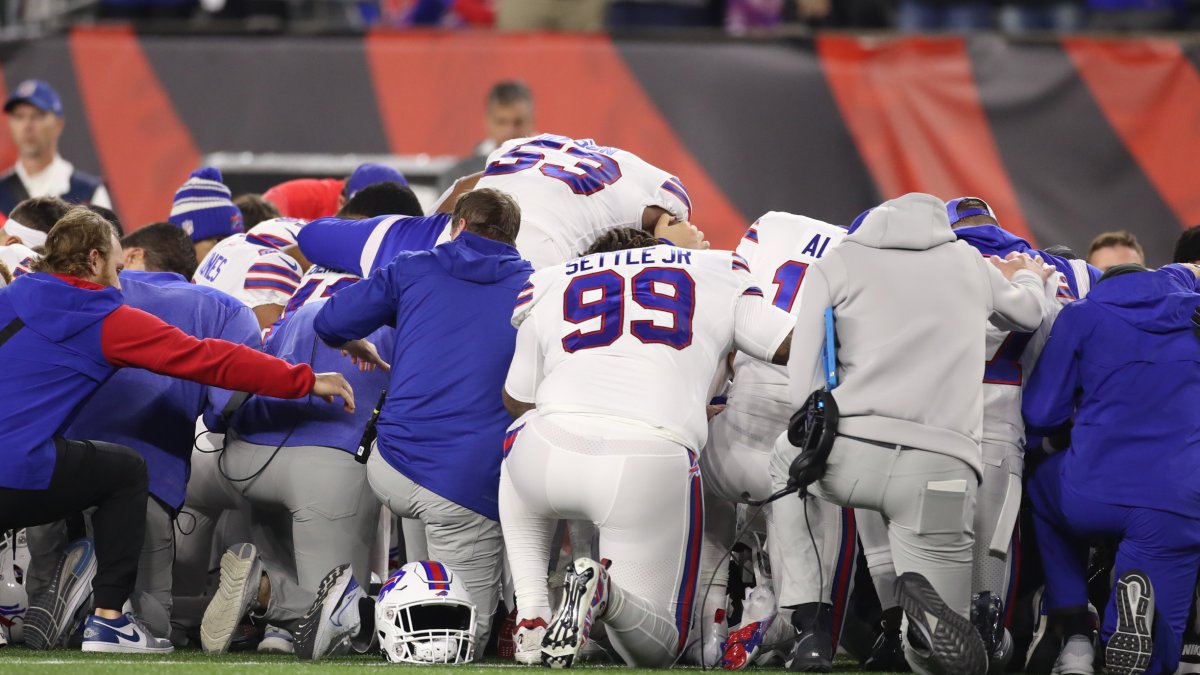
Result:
1129,648
52,614
987,614
887,656
813,652
953,645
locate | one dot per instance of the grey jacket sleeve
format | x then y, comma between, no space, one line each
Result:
1017,304
804,365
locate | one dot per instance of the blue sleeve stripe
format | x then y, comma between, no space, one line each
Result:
278,270
752,235
678,191
753,291
269,285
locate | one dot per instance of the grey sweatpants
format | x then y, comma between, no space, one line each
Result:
310,511
468,543
928,500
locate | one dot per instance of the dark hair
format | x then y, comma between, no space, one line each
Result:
1121,270
620,239
1118,238
508,92
40,213
489,213
382,199
166,246
1187,248
71,241
1062,251
255,209
973,203
110,216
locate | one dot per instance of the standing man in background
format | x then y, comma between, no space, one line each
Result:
35,119
509,115
1109,249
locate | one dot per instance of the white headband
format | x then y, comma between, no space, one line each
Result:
29,236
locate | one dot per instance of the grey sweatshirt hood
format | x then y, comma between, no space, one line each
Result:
913,222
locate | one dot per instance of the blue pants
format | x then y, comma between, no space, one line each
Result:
1164,545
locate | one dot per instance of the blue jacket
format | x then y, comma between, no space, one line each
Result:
360,247
994,240
443,423
312,421
1125,364
50,367
156,414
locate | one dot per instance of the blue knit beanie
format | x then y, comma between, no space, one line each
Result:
203,207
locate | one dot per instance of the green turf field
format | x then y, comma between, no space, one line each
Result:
21,660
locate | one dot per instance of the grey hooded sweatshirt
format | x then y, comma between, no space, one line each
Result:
910,303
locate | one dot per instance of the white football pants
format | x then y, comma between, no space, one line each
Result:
644,494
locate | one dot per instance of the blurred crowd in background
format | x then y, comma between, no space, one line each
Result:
735,16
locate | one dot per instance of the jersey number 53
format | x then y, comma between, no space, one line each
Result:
592,171
601,295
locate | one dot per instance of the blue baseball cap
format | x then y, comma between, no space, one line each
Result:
955,214
370,174
37,93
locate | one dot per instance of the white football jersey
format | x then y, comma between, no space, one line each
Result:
256,275
18,258
1012,356
779,247
571,191
638,335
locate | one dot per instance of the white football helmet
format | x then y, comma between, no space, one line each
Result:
14,561
425,615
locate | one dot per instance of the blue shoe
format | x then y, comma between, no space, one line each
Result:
125,635
51,614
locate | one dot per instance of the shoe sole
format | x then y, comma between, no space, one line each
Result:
276,648
49,616
565,635
109,648
529,658
956,648
232,600
307,632
1131,644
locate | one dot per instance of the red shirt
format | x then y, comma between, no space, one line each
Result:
130,337
306,198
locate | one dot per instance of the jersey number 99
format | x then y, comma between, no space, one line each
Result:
602,295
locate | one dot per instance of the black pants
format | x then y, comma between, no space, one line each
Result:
111,478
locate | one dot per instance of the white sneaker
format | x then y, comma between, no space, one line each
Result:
1129,649
1076,658
241,574
527,640
334,618
125,635
585,598
276,641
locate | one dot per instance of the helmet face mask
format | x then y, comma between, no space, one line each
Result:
424,615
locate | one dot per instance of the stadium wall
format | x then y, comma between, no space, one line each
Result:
1064,138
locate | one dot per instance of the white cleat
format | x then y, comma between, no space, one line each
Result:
585,598
276,641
